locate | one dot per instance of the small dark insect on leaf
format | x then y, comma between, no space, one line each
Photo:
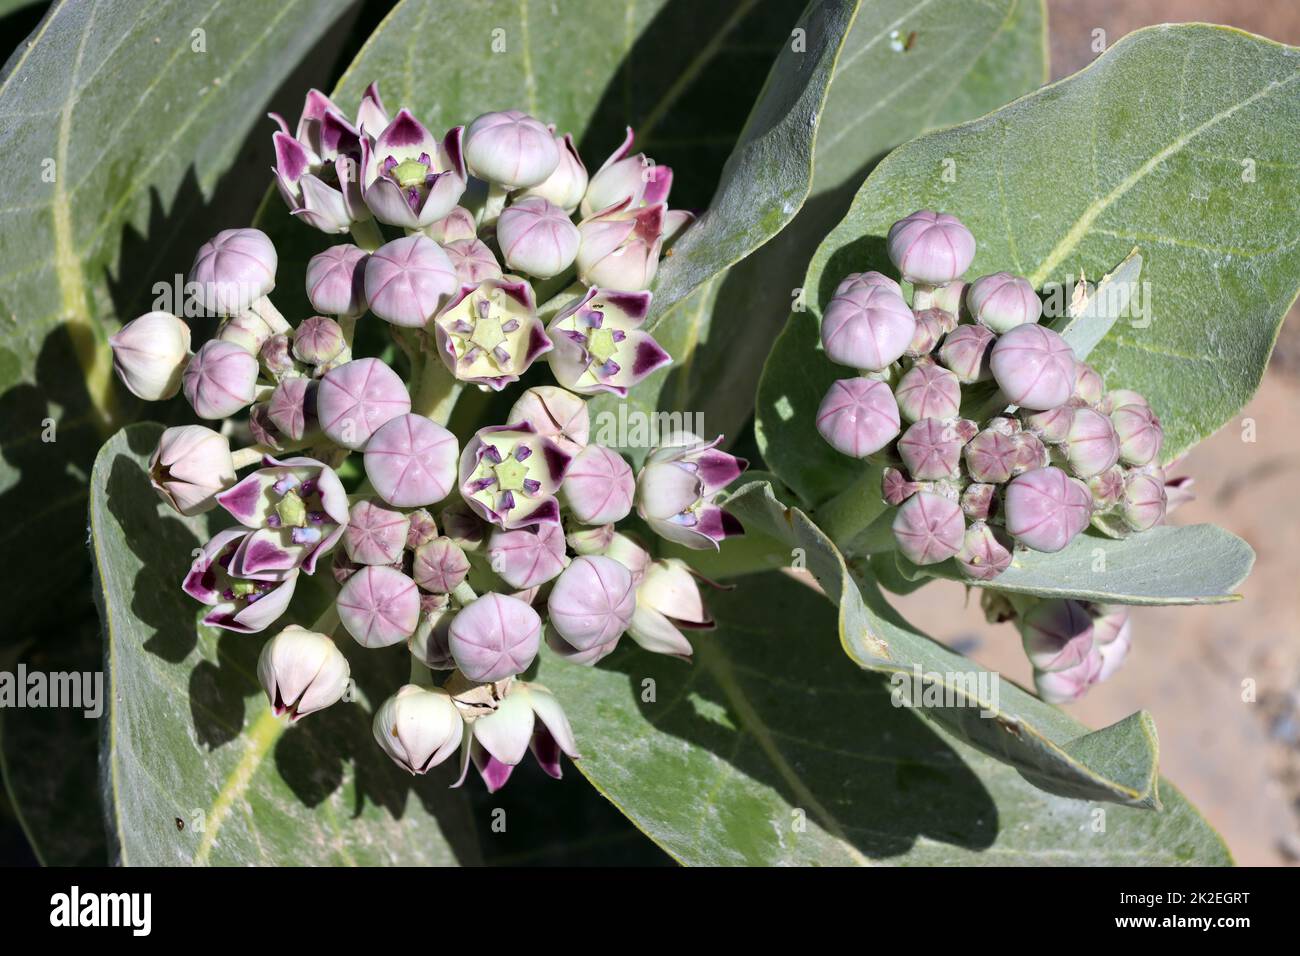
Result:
910,41
180,824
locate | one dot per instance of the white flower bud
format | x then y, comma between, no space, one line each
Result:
302,672
149,355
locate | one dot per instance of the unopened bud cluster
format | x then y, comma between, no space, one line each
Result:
469,550
1060,452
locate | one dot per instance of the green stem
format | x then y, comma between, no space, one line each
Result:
435,396
852,511
367,235
464,594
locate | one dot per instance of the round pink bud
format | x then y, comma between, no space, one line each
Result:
1068,685
867,327
1139,432
423,528
318,341
556,413
1031,453
1034,367
510,149
375,534
1088,386
292,403
537,237
1053,425
930,247
991,457
858,416
1107,488
234,269
190,467
599,486
1002,301
220,379
439,566
865,280
408,280
592,602
1112,633
1119,397
1056,634
965,352
527,557
568,183
931,326
895,488
1046,508
931,449
336,280
929,528
977,500
1091,445
411,461
472,260
149,355
1144,503
495,637
983,556
928,391
355,398
379,606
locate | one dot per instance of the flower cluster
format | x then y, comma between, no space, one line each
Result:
991,434
468,552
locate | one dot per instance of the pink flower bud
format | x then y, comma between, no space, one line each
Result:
1088,387
319,341
1034,367
930,248
510,149
931,326
931,449
928,391
411,461
983,555
537,237
456,226
592,602
336,280
1117,398
190,467
627,179
1053,425
858,416
356,398
149,355
1139,432
220,380
1046,508
375,534
599,486
1002,301
1056,634
408,280
1107,488
991,457
1112,632
555,413
419,727
868,327
619,247
865,280
292,405
234,269
527,557
379,606
1144,502
302,672
439,566
495,637
965,352
1068,685
1091,445
473,261
977,501
895,488
566,186
929,528
1032,453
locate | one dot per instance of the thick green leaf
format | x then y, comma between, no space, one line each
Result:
1195,564
197,769
1116,764
773,749
965,60
1178,140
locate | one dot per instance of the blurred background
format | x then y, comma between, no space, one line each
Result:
1237,760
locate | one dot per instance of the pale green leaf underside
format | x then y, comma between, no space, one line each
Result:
772,749
1032,736
1196,564
190,736
1178,140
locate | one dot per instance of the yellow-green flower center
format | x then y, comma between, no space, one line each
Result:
410,172
511,474
487,333
292,510
601,345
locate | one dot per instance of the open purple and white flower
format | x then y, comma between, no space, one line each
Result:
600,345
316,167
489,334
409,178
528,718
509,475
244,603
677,488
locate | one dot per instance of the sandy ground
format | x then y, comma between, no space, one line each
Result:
1238,761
